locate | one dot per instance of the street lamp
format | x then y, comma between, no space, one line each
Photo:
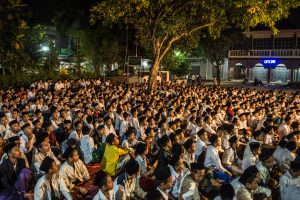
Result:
45,48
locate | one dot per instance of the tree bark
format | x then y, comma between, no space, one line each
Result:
153,75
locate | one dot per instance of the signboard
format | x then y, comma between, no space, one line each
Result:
270,63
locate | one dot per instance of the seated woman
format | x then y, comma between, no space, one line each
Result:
74,177
112,154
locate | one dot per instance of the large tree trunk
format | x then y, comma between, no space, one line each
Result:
218,75
153,75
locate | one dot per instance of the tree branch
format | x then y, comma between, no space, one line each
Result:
185,34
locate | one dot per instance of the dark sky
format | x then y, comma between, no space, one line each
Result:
44,10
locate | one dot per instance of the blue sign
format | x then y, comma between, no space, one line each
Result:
270,63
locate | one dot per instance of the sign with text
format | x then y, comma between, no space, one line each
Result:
270,63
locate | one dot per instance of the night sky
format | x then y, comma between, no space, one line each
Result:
44,10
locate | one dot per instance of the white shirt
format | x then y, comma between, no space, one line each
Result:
283,129
277,155
24,140
164,195
69,174
212,159
87,147
142,163
42,189
287,180
177,178
101,196
249,160
200,146
292,193
123,127
39,157
75,135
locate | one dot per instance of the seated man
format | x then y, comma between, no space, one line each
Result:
47,186
87,145
189,186
212,159
164,182
290,178
111,155
14,176
126,185
248,177
252,157
105,184
74,176
44,150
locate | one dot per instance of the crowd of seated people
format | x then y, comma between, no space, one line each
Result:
90,139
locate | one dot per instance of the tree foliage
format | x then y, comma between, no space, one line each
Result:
160,24
176,62
13,25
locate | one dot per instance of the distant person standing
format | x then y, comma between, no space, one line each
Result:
199,79
193,79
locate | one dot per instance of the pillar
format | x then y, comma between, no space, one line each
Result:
269,75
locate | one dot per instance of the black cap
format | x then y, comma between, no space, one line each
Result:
46,164
100,179
197,166
162,173
7,148
13,122
232,139
25,126
13,139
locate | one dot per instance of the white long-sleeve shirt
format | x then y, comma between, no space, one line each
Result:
123,127
69,174
287,180
101,196
212,159
200,146
42,189
292,192
39,157
249,160
87,147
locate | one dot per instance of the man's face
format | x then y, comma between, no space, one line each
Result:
16,127
54,168
15,152
254,184
169,184
4,120
269,163
28,131
26,118
68,126
204,136
198,175
45,146
193,148
109,183
75,156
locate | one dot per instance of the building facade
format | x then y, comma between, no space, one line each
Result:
270,58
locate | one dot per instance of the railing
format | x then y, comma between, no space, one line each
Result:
277,53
